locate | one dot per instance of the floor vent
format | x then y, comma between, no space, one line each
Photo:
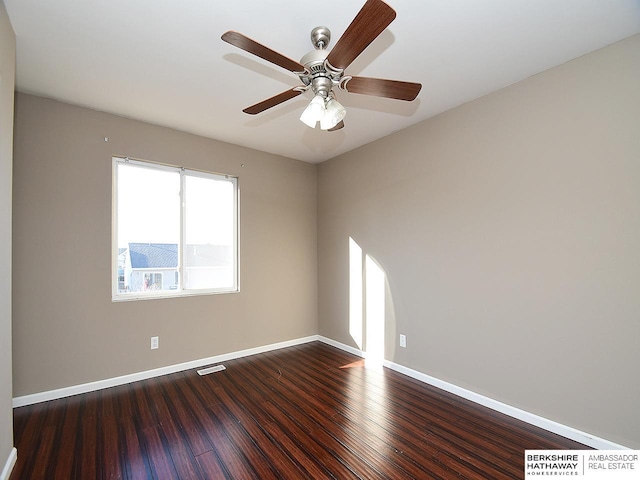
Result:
208,370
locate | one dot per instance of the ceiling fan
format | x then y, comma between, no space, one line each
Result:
322,71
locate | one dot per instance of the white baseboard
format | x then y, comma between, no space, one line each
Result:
342,346
538,421
134,377
544,423
8,466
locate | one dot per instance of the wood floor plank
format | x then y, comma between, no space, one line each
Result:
316,415
244,443
107,399
210,466
136,460
230,458
323,455
302,456
159,456
43,466
125,401
182,456
305,412
27,431
146,415
67,439
87,461
203,385
180,410
399,463
282,463
178,443
109,453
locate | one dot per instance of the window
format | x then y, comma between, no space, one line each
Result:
175,231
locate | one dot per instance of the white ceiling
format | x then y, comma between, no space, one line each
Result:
162,61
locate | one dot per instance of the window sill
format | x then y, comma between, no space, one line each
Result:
159,296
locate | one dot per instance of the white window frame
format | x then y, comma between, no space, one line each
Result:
180,291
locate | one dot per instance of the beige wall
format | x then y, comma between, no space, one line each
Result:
67,331
7,76
509,232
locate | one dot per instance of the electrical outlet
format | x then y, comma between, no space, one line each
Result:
154,343
403,341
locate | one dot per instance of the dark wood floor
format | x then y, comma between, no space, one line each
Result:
311,411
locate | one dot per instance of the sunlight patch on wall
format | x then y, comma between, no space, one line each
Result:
368,309
375,282
356,293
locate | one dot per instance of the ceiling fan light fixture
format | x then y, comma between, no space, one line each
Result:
333,115
314,112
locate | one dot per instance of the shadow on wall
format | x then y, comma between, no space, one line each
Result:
372,319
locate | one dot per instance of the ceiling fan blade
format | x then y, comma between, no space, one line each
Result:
273,101
370,22
337,127
251,46
383,88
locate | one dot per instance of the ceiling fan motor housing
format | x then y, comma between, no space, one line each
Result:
319,75
314,61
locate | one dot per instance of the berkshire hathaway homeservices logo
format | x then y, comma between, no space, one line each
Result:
586,464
